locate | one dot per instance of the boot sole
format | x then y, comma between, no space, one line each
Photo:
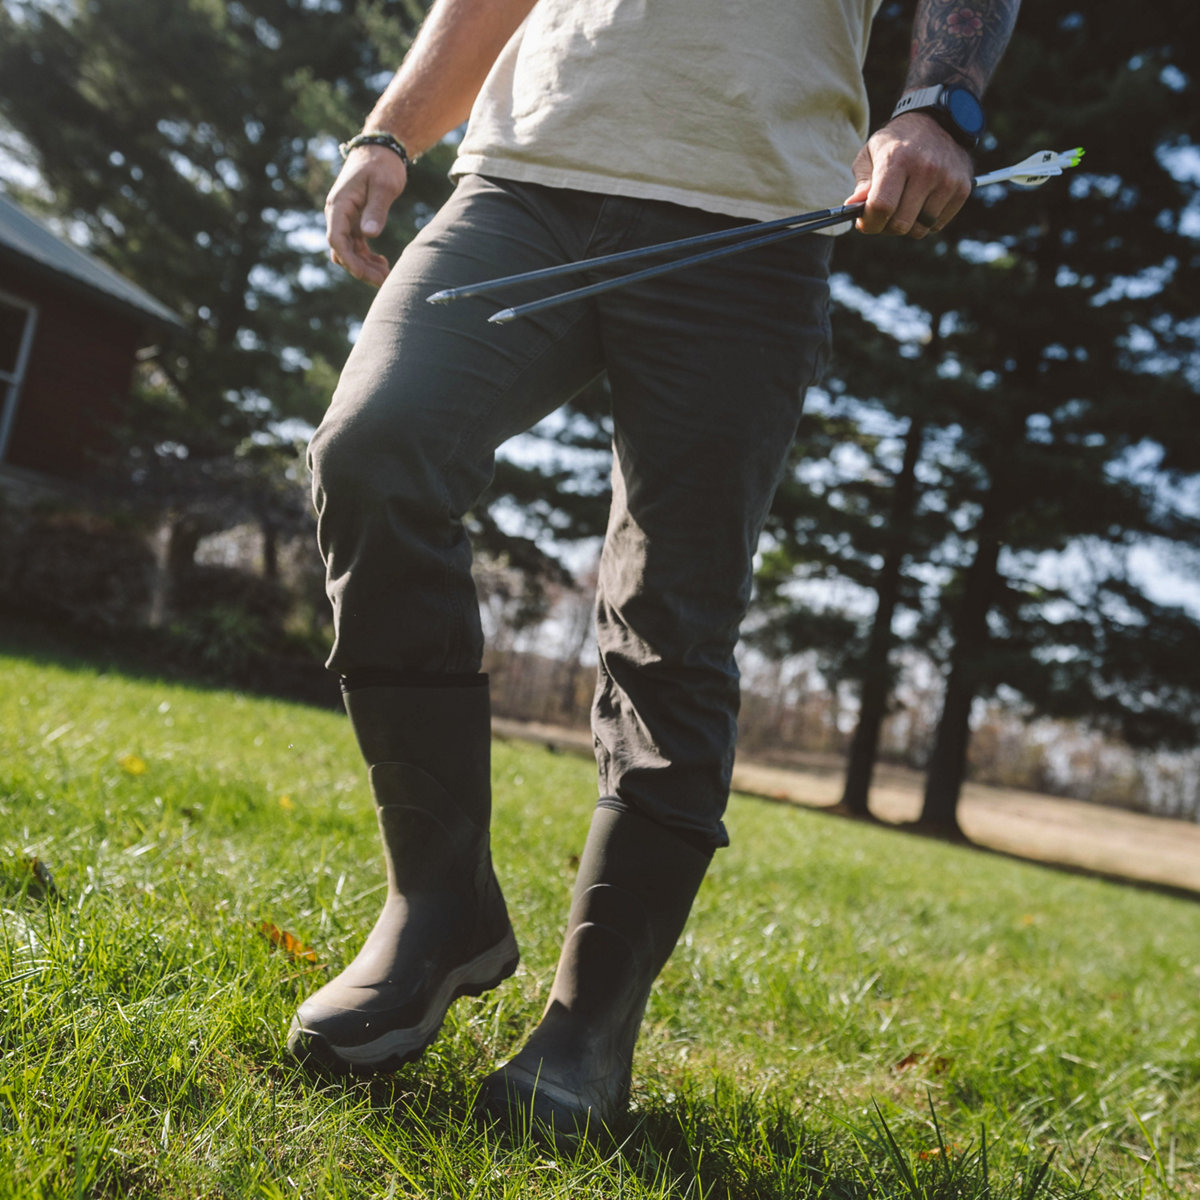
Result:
555,1115
392,1050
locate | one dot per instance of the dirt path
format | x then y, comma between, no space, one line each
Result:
1158,851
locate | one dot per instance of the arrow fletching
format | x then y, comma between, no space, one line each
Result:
1036,169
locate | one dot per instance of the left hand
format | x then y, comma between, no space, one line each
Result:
913,176
370,180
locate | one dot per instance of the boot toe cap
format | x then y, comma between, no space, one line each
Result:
364,1030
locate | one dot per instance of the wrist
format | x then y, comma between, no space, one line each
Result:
377,137
920,123
954,107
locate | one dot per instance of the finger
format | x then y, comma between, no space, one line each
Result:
348,246
859,194
368,266
877,212
938,209
924,224
353,255
863,168
924,194
340,231
924,207
375,211
894,198
918,194
373,269
893,207
947,204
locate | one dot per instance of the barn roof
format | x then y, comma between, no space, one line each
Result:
26,238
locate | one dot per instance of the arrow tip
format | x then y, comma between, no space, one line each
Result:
502,317
442,297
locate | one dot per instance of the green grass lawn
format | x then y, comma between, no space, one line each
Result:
852,1012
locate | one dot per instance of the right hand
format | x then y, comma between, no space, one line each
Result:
912,176
357,208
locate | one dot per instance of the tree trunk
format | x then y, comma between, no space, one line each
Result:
184,533
948,763
876,674
270,549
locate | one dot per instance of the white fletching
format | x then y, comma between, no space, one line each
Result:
1035,170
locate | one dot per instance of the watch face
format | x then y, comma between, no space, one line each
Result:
965,110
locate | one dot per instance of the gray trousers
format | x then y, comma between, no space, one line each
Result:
708,369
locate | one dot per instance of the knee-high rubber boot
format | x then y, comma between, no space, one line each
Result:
635,888
444,930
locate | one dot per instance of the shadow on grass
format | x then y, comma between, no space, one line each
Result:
734,1144
568,743
148,654
954,836
720,1142
724,1143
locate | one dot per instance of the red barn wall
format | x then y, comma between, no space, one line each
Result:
79,372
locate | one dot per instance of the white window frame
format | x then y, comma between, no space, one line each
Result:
10,381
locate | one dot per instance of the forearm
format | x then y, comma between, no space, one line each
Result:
442,73
959,43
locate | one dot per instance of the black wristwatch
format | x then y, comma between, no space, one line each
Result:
956,109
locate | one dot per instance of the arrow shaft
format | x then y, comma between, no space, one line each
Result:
799,223
836,217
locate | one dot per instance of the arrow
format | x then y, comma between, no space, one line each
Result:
1030,173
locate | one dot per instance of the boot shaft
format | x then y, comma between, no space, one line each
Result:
634,891
444,732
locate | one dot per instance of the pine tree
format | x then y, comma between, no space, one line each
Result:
192,143
1060,336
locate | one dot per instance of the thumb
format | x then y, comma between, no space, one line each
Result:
375,215
863,170
375,212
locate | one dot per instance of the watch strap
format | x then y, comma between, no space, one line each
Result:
918,98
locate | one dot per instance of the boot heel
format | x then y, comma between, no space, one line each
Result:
491,968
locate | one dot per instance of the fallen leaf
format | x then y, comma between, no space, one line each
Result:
938,1151
42,876
936,1062
289,943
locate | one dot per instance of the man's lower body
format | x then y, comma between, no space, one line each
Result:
707,370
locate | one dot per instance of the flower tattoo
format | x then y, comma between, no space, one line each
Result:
964,23
959,41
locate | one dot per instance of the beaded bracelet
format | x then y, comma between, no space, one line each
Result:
375,137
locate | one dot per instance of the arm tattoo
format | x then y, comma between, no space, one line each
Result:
959,41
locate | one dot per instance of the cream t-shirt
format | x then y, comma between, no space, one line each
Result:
754,108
